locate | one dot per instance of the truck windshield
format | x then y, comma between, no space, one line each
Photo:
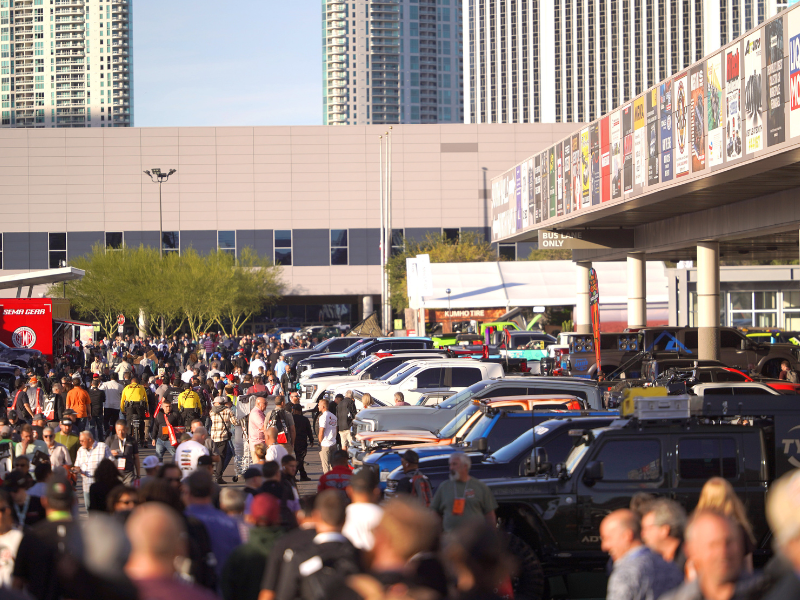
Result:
403,374
362,364
465,394
450,430
480,428
324,344
522,444
356,348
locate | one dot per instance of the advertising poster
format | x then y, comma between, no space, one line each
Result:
638,141
665,120
776,118
605,161
530,194
594,147
753,93
794,73
616,155
537,190
545,188
552,185
733,96
577,186
714,116
698,113
681,85
586,171
651,108
559,182
627,148
567,160
518,195
524,193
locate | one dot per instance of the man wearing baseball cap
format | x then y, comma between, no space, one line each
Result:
414,482
150,464
66,437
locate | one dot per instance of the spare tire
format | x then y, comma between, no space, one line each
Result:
528,583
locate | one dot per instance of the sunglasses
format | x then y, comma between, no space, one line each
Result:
48,437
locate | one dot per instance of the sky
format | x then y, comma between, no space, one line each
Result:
249,62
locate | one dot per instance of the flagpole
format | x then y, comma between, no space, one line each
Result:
388,247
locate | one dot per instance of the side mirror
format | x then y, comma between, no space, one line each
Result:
593,472
411,384
746,344
363,354
481,445
540,462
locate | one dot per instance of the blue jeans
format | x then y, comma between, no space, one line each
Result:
162,447
95,425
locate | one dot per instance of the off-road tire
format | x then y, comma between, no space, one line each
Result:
529,581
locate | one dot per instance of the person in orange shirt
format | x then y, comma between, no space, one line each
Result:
78,400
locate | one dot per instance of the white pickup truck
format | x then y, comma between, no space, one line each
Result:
424,376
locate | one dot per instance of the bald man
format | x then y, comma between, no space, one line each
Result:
639,573
715,545
157,537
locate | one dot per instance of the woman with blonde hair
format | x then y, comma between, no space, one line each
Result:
718,495
366,401
260,453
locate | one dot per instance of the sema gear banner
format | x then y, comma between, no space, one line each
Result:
794,73
665,120
714,99
733,99
616,155
698,111
776,117
681,91
753,92
652,136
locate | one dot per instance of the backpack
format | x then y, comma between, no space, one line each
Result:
323,573
793,376
425,493
276,420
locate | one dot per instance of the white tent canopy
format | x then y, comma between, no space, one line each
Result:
532,283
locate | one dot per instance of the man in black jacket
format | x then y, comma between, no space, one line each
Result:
345,413
303,432
98,400
160,432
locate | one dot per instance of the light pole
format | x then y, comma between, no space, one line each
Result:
449,316
158,177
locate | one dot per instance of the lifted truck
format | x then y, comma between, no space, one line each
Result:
554,517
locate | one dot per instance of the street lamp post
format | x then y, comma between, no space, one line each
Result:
449,316
158,177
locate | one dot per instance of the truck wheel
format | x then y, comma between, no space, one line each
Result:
528,583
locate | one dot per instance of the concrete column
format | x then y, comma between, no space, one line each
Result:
366,305
708,300
583,317
637,290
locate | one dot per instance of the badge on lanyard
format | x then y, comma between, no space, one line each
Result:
458,506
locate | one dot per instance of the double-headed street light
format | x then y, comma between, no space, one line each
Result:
158,177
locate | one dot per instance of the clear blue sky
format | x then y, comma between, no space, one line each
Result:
249,62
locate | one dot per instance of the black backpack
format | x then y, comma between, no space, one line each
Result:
332,564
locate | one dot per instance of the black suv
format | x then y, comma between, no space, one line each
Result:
331,345
554,517
365,348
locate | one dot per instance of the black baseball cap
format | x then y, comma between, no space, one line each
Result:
410,457
204,461
252,472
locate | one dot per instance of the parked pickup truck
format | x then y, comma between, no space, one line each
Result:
423,376
361,350
434,418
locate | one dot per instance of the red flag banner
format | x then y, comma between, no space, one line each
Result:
594,307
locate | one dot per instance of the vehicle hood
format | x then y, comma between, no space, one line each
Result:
404,412
328,381
366,385
411,435
331,370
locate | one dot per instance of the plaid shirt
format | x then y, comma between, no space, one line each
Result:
219,425
87,461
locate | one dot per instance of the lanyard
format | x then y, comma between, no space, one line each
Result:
455,490
22,513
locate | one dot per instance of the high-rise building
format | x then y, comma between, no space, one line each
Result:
573,60
392,61
66,63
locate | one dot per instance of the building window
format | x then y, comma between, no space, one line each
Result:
451,235
114,240
171,241
507,251
791,311
57,250
398,241
226,242
283,247
338,246
753,309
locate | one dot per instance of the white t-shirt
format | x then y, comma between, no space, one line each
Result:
327,422
9,543
276,452
186,456
254,365
362,518
113,390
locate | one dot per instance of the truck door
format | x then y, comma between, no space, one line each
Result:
701,456
631,464
735,350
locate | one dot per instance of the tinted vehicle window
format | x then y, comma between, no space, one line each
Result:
705,377
338,344
430,378
690,339
701,459
384,367
559,391
723,375
407,345
729,339
507,428
751,391
465,376
631,460
718,391
504,391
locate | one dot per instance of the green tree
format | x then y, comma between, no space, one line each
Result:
549,254
470,247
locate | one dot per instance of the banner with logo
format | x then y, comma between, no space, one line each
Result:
545,186
733,99
776,117
638,141
594,147
753,92
518,195
794,73
681,126
594,307
665,120
698,112
714,100
616,155
27,323
605,160
529,193
586,169
627,148
577,185
537,189
567,160
523,180
651,108
551,157
559,181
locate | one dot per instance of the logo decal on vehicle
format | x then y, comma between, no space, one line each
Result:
581,364
672,344
23,337
792,446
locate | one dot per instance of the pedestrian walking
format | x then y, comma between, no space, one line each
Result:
326,434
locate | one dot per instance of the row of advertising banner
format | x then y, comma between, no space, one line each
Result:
706,117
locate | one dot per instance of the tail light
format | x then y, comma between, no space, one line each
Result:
574,405
383,354
523,366
485,352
